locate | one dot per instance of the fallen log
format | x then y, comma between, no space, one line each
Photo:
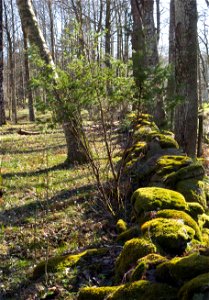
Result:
26,132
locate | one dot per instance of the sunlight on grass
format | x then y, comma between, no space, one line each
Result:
43,207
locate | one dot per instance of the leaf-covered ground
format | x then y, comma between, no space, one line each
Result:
46,210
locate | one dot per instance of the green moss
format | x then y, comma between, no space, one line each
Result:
155,198
144,290
180,215
145,263
132,251
197,288
96,293
170,163
171,235
121,226
205,236
165,141
129,234
204,221
183,269
57,263
136,151
193,191
195,209
143,131
194,171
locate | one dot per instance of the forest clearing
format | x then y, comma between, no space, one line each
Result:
104,160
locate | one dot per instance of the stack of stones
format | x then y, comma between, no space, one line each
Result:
165,254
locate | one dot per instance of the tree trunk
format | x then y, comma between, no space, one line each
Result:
2,108
11,70
171,87
186,74
138,45
35,36
27,78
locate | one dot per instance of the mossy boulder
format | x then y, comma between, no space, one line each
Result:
195,289
193,191
121,226
181,215
138,150
164,140
144,290
204,221
171,163
195,209
181,269
129,234
143,131
205,236
193,171
59,263
96,293
154,198
171,235
146,263
131,252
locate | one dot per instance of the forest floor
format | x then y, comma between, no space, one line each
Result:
46,210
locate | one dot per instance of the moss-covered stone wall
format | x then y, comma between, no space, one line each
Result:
165,251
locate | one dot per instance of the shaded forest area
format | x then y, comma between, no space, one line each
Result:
104,134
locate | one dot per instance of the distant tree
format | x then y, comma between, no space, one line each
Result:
186,113
2,108
171,80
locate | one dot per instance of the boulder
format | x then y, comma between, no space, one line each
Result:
154,198
131,252
171,235
193,191
144,290
181,269
195,289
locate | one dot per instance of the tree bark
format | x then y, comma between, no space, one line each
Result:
11,71
2,107
171,87
27,78
186,74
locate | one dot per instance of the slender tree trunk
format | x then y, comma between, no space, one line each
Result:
27,78
2,108
186,74
52,35
138,45
108,34
11,68
171,87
